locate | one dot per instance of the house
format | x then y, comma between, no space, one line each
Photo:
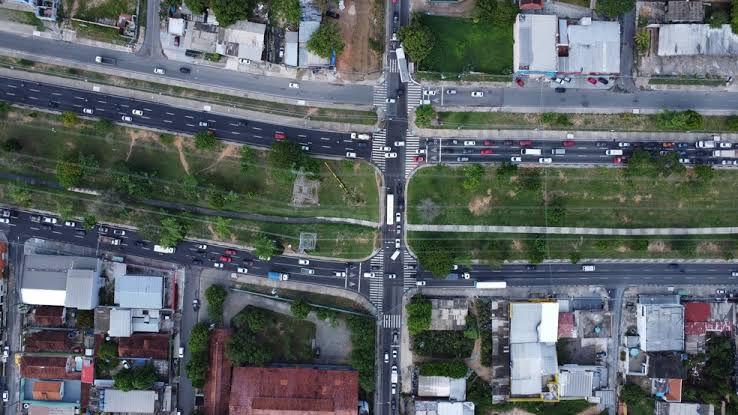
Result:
308,391
696,39
670,390
146,346
580,381
534,38
243,39
291,48
218,382
47,367
442,387
685,11
533,335
660,325
53,397
139,291
124,321
48,341
47,391
59,280
135,401
43,9
530,4
449,314
669,408
443,408
47,316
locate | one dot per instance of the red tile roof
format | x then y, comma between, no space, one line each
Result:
218,383
44,367
566,325
88,371
303,391
696,311
531,4
149,345
48,341
47,391
49,316
702,327
675,390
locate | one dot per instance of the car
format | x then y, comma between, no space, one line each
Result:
477,94
601,144
35,218
137,112
468,151
394,386
617,160
734,274
432,92
455,142
126,118
391,276
203,124
5,396
673,266
683,145
281,52
244,61
394,353
6,213
196,261
465,275
398,217
176,41
140,244
545,160
53,104
530,267
489,142
339,273
390,155
159,71
685,160
470,143
361,145
395,18
201,247
420,283
102,229
398,229
567,79
560,90
225,258
369,275
185,70
389,101
5,221
592,80
351,154
399,144
462,159
6,353
486,151
279,135
525,143
568,143
418,159
507,143
307,271
588,268
69,223
516,159
520,82
47,227
294,85
725,144
603,80
398,243
720,291
450,92
623,144
386,357
230,252
119,232
80,232
195,304
668,144
558,80
385,148
88,111
50,220
218,265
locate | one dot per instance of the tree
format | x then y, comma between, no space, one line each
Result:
556,211
326,40
229,12
108,350
135,379
4,107
216,295
473,174
575,257
137,185
680,120
704,173
85,319
69,119
12,145
89,221
286,10
265,248
68,173
65,209
641,165
199,338
454,369
495,12
205,140
242,349
417,39
536,249
424,115
18,194
300,309
197,369
172,232
418,314
718,18
285,158
222,227
495,252
642,41
734,18
251,318
613,8
197,6
362,333
435,255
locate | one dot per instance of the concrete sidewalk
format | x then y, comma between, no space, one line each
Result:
529,134
551,230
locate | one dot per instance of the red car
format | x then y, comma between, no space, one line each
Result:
230,252
520,82
617,160
224,258
525,143
592,81
279,136
486,151
568,143
668,144
419,159
489,143
176,41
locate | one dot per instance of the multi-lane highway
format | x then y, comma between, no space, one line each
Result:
179,120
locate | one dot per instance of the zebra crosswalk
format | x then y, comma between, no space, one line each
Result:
378,141
414,96
412,143
410,266
376,284
391,321
379,95
393,65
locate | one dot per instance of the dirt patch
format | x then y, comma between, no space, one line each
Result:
462,8
708,248
480,205
622,249
182,158
517,245
24,118
622,198
658,246
360,21
563,177
230,150
512,194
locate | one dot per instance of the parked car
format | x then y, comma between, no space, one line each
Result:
294,85
477,94
489,142
184,70
230,252
525,143
592,80
560,90
160,71
520,82
6,221
119,232
69,223
450,92
486,151
603,80
225,258
279,135
568,143
545,160
470,143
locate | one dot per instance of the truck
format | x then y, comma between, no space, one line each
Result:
361,136
277,276
725,153
390,209
705,144
108,240
490,284
164,249
106,60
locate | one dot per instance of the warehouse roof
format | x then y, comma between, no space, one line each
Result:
138,291
60,280
661,327
696,39
442,387
534,322
443,408
594,47
120,322
529,362
136,401
535,43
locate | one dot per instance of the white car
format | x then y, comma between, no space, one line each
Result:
217,264
431,92
420,151
119,232
339,273
88,111
305,148
394,37
201,246
450,92
181,352
394,353
351,154
391,276
398,217
420,283
137,112
242,270
470,143
5,396
126,118
202,124
726,162
516,159
368,275
725,144
394,389
477,94
466,275
386,148
734,274
48,219
160,71
70,223
397,243
545,160
303,261
588,268
308,271
390,155
685,161
386,357
294,85
389,101
623,145
244,61
5,221
399,144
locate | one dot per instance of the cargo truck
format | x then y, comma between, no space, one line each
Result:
108,240
106,60
277,276
490,284
725,153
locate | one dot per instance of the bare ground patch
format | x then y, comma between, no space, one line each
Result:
136,135
462,8
182,158
230,150
708,248
358,24
658,246
480,205
517,245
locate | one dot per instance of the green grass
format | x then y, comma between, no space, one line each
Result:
686,81
267,107
288,339
546,408
463,46
583,122
309,297
470,77
100,33
109,9
581,3
257,191
594,197
22,17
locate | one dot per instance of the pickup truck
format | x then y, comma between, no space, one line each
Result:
278,276
106,60
725,153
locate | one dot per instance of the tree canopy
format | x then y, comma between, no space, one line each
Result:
680,120
197,369
418,315
613,8
435,255
216,295
285,158
326,39
363,332
205,140
496,12
265,247
286,10
133,184
197,6
300,309
242,349
417,39
199,338
172,231
230,11
135,379
424,115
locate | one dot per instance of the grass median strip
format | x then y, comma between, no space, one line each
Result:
267,107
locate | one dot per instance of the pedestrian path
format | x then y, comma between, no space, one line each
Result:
414,95
574,231
412,143
410,267
379,140
380,95
391,321
376,284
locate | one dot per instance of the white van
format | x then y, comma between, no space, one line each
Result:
531,152
614,152
395,254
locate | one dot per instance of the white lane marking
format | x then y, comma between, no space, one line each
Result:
146,109
124,105
168,121
76,97
326,146
257,136
213,121
301,135
32,97
189,116
12,86
102,102
33,90
233,124
56,93
99,109
10,93
190,125
325,139
145,117
169,113
77,105
256,128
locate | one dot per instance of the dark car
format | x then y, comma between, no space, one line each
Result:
47,227
682,145
468,151
507,142
248,262
400,92
196,261
140,244
601,144
603,80
673,266
80,232
185,69
102,229
560,90
462,159
53,104
530,267
331,13
361,145
395,18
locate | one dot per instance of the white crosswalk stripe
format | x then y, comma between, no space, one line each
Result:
379,140
408,280
414,95
380,95
393,65
412,143
376,284
391,321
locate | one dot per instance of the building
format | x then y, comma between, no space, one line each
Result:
307,59
243,39
667,408
47,316
58,280
49,341
567,325
533,335
146,346
534,38
47,391
43,9
578,381
47,367
124,321
442,387
530,4
443,408
660,325
685,11
696,39
449,314
308,391
53,397
291,48
138,291
218,382
135,401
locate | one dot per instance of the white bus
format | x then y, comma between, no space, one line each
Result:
390,209
490,284
163,249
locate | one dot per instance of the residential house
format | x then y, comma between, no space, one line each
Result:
660,323
48,367
243,40
685,11
449,314
47,316
145,346
132,402
49,341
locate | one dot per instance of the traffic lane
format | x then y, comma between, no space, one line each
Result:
270,86
177,119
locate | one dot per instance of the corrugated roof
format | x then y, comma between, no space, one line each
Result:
307,58
48,341
685,11
218,382
48,391
534,322
120,322
45,367
291,46
249,36
136,401
45,279
696,39
695,311
529,362
594,48
81,289
149,345
661,327
442,387
137,291
443,408
535,43
176,26
575,383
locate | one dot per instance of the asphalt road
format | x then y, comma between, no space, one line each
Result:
201,74
175,119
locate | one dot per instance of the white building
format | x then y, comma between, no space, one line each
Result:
58,280
533,335
138,291
660,325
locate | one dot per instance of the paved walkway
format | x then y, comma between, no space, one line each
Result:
531,134
573,231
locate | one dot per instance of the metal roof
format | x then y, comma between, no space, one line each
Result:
534,322
120,322
137,291
249,36
82,289
136,401
579,381
291,46
594,47
529,362
45,280
535,43
307,58
696,39
661,327
442,387
443,408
